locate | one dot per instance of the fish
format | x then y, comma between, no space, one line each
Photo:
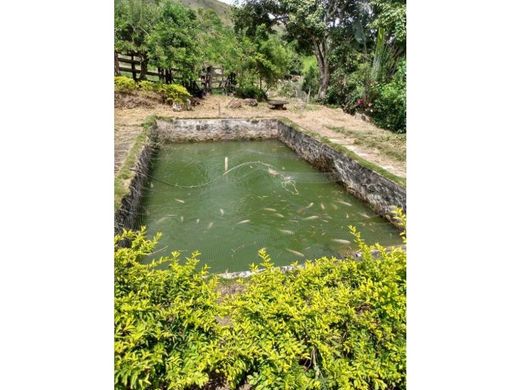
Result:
197,221
364,215
244,221
324,220
322,206
272,172
286,231
334,206
279,215
341,241
210,225
151,185
182,218
347,216
180,200
221,212
161,219
311,217
269,209
345,203
295,252
310,205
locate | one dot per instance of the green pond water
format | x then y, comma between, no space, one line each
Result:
269,198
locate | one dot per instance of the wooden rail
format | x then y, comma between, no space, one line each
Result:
212,78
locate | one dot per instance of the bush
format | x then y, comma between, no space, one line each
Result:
251,92
170,93
124,84
174,93
148,86
166,331
331,324
390,105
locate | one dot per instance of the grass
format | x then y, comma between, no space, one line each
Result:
389,144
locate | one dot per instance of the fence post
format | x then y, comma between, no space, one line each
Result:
134,75
116,64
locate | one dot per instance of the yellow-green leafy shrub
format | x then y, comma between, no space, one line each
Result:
146,85
165,320
170,93
124,84
174,93
332,324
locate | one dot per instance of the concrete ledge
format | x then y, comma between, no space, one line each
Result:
193,130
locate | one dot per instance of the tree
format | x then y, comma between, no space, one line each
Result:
310,22
134,20
172,43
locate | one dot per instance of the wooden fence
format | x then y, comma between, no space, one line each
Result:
133,64
212,78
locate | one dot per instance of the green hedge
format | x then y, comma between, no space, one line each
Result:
390,105
331,324
171,93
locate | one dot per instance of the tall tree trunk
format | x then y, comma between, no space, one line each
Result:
321,53
144,67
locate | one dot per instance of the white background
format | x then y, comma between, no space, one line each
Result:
56,164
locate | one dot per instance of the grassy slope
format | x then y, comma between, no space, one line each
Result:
223,10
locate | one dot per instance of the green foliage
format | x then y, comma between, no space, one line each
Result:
133,21
250,92
166,332
311,76
170,93
330,324
171,42
390,105
145,85
124,84
173,93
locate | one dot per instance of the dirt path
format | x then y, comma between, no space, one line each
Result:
373,144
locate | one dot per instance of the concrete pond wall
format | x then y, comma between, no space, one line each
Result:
380,192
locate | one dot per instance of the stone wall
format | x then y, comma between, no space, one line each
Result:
193,130
379,192
127,215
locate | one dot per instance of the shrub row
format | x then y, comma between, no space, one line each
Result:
171,93
332,324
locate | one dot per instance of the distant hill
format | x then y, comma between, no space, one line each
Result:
223,10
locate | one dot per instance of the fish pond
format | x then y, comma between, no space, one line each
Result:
229,199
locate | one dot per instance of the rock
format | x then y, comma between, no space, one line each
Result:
363,117
176,107
251,102
234,104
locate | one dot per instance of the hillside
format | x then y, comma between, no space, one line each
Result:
223,10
